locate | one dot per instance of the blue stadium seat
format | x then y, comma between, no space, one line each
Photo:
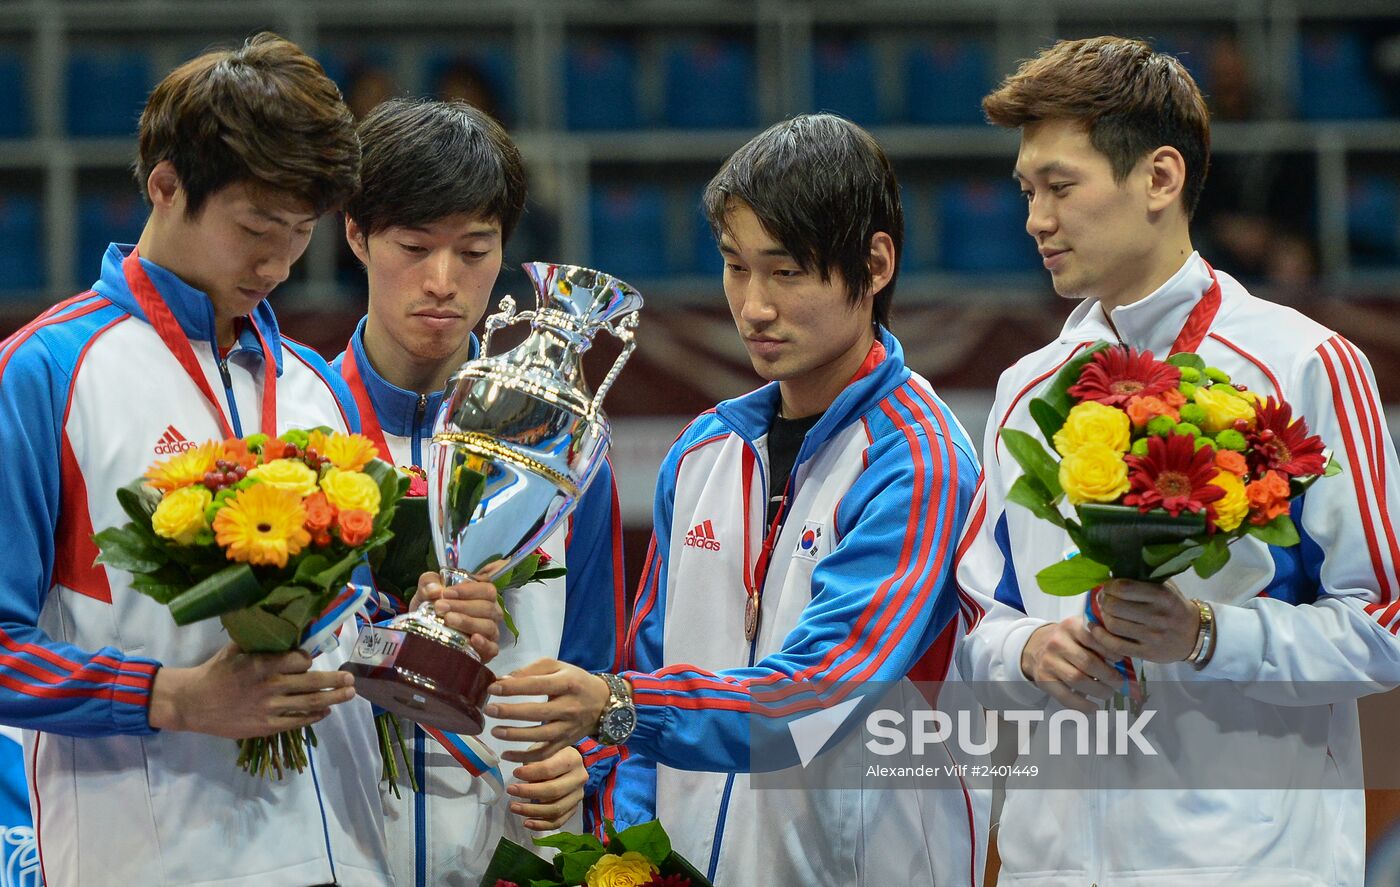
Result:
14,99
945,80
704,251
115,217
710,83
21,244
1333,80
920,252
629,231
1373,220
600,84
982,228
845,80
106,90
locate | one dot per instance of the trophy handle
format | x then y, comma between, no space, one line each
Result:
624,330
506,316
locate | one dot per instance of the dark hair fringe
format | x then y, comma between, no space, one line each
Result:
425,160
264,113
822,187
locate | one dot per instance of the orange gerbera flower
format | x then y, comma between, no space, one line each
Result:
185,469
262,525
235,451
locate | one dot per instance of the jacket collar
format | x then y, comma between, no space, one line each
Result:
395,407
1149,324
751,415
191,307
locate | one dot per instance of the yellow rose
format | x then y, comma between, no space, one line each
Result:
1222,409
1094,473
180,515
351,490
1230,511
631,869
348,451
1093,422
287,474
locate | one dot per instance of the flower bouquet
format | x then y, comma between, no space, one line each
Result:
264,534
396,568
1165,464
640,856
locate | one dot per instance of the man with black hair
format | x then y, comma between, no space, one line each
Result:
442,188
802,542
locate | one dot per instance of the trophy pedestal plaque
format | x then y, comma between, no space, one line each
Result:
419,669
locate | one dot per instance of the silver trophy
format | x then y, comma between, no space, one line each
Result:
518,440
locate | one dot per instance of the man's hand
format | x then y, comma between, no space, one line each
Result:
1064,660
549,791
575,703
469,607
1147,620
240,695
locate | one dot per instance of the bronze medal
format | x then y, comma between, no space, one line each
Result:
751,618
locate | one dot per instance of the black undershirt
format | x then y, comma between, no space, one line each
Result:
784,440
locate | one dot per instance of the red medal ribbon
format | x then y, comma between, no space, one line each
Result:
1198,322
369,422
162,319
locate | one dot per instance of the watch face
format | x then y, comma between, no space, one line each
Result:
618,724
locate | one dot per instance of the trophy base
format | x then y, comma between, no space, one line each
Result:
420,679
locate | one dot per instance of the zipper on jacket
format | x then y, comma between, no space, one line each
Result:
228,395
417,437
420,806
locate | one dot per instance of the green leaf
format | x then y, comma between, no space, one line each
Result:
1215,556
1280,531
569,843
1057,394
255,630
512,862
337,573
283,595
1074,576
548,573
299,607
139,502
648,839
1028,492
610,830
1181,561
1033,459
1156,555
676,864
1333,468
232,588
163,585
123,548
541,882
574,866
1048,419
309,567
1187,359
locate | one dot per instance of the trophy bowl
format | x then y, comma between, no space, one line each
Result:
516,443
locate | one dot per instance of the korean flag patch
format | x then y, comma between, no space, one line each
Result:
809,544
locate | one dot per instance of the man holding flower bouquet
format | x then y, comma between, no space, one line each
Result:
442,188
1296,619
129,717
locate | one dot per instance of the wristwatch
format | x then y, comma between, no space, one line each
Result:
1205,636
619,717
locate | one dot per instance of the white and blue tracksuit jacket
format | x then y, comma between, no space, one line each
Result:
858,589
90,396
446,833
1301,630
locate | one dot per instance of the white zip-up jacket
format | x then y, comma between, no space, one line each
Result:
90,396
446,833
858,590
1297,626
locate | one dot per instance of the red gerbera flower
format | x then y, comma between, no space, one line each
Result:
1118,374
1173,475
659,880
1279,443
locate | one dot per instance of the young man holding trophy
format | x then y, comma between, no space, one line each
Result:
127,716
1273,648
803,537
442,188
